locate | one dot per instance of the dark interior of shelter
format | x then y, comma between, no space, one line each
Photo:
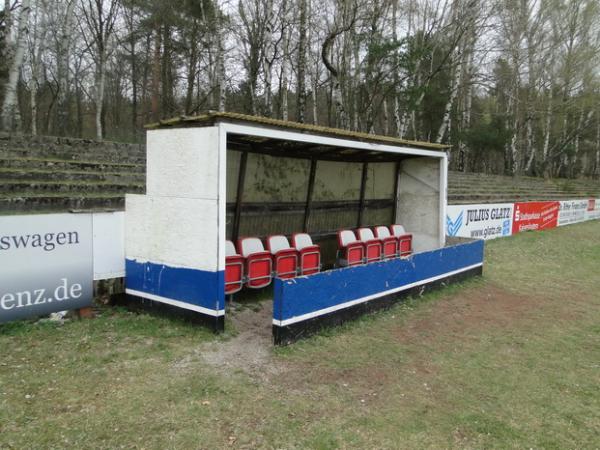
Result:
279,187
285,187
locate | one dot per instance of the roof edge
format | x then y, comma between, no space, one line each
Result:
215,116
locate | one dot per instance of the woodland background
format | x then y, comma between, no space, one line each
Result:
512,85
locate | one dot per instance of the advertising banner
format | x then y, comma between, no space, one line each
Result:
535,216
572,211
485,221
109,245
593,210
45,264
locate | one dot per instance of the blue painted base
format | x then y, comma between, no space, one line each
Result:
198,290
340,294
284,335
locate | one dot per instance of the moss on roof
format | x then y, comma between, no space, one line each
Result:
212,117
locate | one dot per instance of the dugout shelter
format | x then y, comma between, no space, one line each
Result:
237,202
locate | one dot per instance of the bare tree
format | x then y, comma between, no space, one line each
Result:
11,116
513,85
65,15
301,79
100,21
37,44
344,22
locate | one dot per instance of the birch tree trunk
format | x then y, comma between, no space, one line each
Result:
514,94
268,56
155,95
596,172
134,73
283,90
354,90
465,123
450,103
301,79
11,117
514,150
397,120
33,92
396,78
315,104
582,124
37,46
386,118
348,21
221,74
547,131
192,67
336,90
8,25
62,68
458,65
100,17
100,84
533,23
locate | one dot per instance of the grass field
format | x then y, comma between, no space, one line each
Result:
509,360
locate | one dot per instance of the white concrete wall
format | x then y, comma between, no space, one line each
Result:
178,232
183,162
419,202
176,223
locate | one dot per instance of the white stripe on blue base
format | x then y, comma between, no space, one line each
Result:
320,312
169,301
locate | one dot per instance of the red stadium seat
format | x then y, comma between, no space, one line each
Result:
258,262
285,258
310,254
404,240
234,269
389,242
351,251
373,246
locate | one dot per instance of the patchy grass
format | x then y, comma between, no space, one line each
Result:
509,360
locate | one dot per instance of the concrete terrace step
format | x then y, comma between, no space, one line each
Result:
476,201
73,156
57,164
71,175
13,187
532,188
563,186
504,198
521,192
70,148
503,182
477,178
486,187
31,202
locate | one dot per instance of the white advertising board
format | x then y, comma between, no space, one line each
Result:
45,264
109,245
484,221
593,209
572,211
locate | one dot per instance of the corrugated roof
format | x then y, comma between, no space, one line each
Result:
212,117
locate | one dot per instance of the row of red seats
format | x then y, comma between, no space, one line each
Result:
369,245
253,266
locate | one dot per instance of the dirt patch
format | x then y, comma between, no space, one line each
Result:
449,320
484,306
446,321
251,350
